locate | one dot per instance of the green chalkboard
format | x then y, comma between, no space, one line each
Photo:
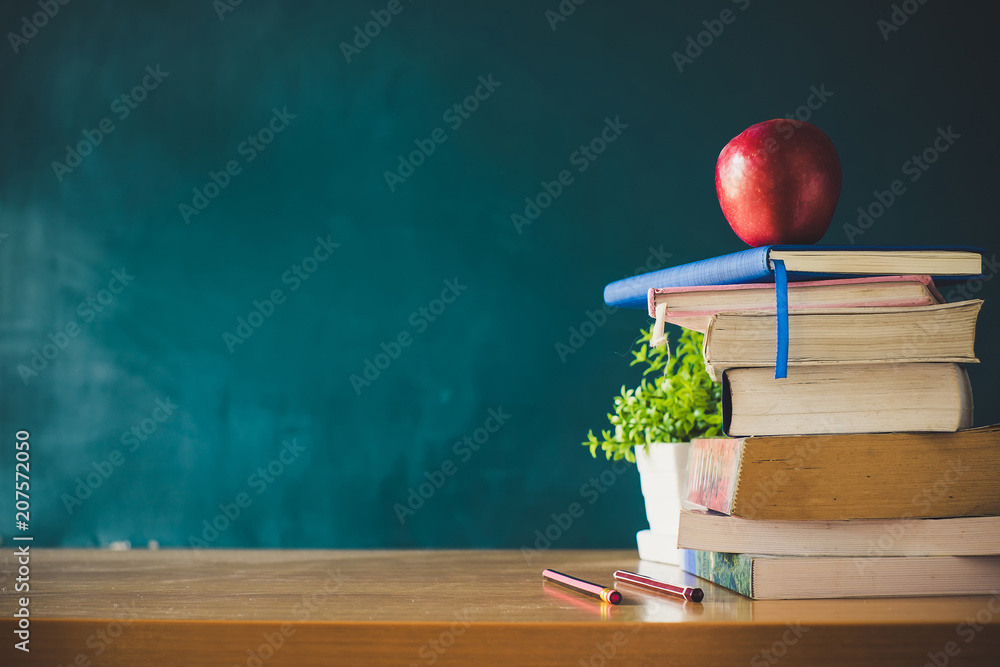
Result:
312,274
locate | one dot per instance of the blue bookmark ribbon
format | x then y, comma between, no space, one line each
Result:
781,298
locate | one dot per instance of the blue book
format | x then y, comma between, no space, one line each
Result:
802,262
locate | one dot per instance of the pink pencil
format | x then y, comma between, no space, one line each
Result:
693,594
581,586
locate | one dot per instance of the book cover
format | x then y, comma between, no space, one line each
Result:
692,307
752,265
856,476
734,571
815,577
817,336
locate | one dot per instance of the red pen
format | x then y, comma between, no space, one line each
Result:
693,594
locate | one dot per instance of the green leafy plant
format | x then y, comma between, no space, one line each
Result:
679,403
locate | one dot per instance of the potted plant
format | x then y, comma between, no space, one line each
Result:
654,423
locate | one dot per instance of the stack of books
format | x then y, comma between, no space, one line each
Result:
851,468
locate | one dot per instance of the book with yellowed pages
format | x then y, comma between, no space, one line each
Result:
801,262
692,307
813,577
878,261
704,530
846,398
840,477
938,333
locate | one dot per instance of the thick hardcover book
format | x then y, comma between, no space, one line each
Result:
812,577
803,262
820,336
846,398
840,477
704,530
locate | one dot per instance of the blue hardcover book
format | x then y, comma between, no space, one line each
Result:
802,262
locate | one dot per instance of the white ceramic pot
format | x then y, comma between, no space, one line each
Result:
663,476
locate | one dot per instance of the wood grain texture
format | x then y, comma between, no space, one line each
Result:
220,607
870,476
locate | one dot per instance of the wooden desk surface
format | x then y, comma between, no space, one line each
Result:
257,608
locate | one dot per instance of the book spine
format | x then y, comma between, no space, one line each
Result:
727,404
746,266
734,571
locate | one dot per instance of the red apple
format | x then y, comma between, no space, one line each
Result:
779,182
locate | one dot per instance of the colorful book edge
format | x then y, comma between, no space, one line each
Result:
733,571
745,266
923,279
